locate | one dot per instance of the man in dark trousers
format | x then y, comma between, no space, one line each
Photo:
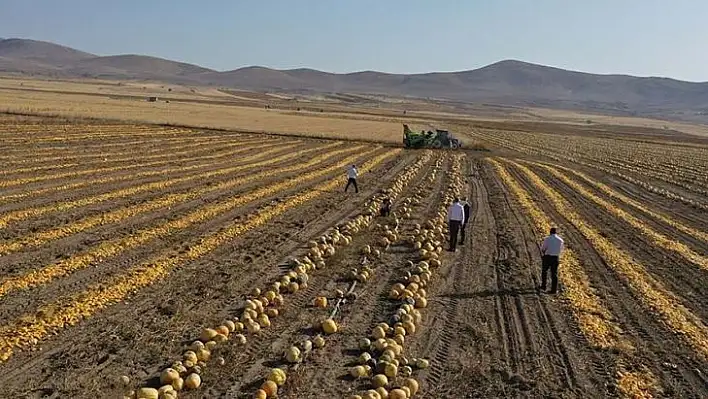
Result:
466,207
352,174
455,217
551,249
385,207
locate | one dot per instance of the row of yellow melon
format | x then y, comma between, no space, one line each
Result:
258,310
315,259
388,341
257,313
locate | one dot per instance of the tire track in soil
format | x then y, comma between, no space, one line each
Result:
564,345
507,352
371,306
682,278
436,342
110,326
678,368
15,304
467,280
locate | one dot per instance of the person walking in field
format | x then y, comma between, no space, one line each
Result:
455,217
352,174
466,207
551,249
385,207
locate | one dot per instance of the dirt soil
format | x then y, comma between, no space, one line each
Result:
487,330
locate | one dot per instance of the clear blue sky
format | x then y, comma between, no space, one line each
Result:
641,37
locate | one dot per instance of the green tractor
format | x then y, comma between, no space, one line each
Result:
437,139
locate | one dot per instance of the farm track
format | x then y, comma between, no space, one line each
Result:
683,278
218,279
671,360
110,257
490,328
325,373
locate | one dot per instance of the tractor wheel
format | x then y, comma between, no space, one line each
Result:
437,144
454,145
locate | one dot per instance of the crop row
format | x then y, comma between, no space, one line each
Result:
593,318
648,289
382,360
513,144
656,157
263,306
165,201
658,239
30,154
98,135
701,235
165,152
28,330
94,171
245,163
370,269
110,248
296,355
53,129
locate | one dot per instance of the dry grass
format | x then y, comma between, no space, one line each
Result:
580,118
208,107
197,115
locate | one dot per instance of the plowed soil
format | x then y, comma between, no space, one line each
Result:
487,330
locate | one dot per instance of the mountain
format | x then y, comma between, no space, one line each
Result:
508,82
135,66
45,53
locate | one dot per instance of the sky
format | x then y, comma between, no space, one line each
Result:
636,37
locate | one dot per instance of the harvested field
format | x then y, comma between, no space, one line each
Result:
206,115
123,245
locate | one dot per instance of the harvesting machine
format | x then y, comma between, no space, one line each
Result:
430,139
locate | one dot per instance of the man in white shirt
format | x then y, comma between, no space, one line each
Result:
551,249
352,174
455,217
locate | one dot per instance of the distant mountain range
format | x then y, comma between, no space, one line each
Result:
506,82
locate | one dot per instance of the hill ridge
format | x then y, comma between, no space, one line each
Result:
506,82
